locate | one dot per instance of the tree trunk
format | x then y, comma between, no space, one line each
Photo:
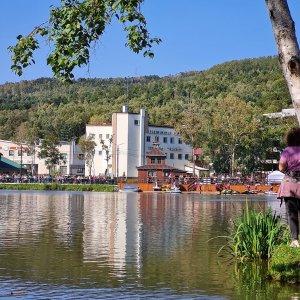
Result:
288,48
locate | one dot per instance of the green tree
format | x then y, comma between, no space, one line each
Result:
50,152
26,134
107,148
87,146
74,26
194,126
234,123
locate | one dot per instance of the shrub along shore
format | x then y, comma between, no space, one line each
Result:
58,187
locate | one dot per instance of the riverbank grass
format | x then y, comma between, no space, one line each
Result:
59,187
285,264
255,234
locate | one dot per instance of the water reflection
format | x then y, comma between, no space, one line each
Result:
130,244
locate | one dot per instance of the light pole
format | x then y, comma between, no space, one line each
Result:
118,151
117,160
21,163
233,160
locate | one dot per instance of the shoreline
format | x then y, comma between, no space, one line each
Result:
204,189
208,188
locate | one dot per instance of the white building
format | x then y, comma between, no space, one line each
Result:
131,137
28,157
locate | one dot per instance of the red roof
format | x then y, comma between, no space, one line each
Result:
156,152
160,167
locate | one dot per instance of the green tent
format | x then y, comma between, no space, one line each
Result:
7,164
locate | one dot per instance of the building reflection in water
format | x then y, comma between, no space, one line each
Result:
122,231
112,231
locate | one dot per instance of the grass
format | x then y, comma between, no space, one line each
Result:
59,187
255,235
285,264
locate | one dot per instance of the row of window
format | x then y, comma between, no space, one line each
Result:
172,156
81,157
179,156
164,139
107,136
148,138
20,153
30,153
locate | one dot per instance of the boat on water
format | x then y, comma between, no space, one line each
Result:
174,190
130,188
270,193
156,187
230,192
249,192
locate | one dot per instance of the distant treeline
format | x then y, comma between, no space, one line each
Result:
47,105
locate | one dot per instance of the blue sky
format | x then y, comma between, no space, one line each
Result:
196,35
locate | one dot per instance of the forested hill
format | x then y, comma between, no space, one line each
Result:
47,105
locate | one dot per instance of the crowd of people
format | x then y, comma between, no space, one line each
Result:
71,179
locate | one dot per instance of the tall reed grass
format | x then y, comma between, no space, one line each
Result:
255,234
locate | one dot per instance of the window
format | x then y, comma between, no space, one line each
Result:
11,152
100,137
20,152
156,138
172,140
80,170
92,135
151,173
171,155
186,156
64,156
179,141
29,153
63,170
179,156
100,152
165,139
159,160
152,160
148,138
107,136
136,122
81,156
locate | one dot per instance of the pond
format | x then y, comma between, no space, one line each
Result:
70,245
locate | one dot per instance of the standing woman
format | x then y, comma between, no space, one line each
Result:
289,189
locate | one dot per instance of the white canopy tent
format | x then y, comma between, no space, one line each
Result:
198,170
275,177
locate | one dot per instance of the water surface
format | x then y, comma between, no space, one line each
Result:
70,245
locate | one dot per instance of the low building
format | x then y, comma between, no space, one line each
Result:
8,166
27,156
155,170
121,146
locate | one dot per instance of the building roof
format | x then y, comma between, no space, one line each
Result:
155,151
100,124
160,167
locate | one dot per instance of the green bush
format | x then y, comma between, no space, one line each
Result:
255,234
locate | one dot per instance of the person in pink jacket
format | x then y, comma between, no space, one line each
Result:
289,189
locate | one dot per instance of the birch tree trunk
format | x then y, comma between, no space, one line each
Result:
288,48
